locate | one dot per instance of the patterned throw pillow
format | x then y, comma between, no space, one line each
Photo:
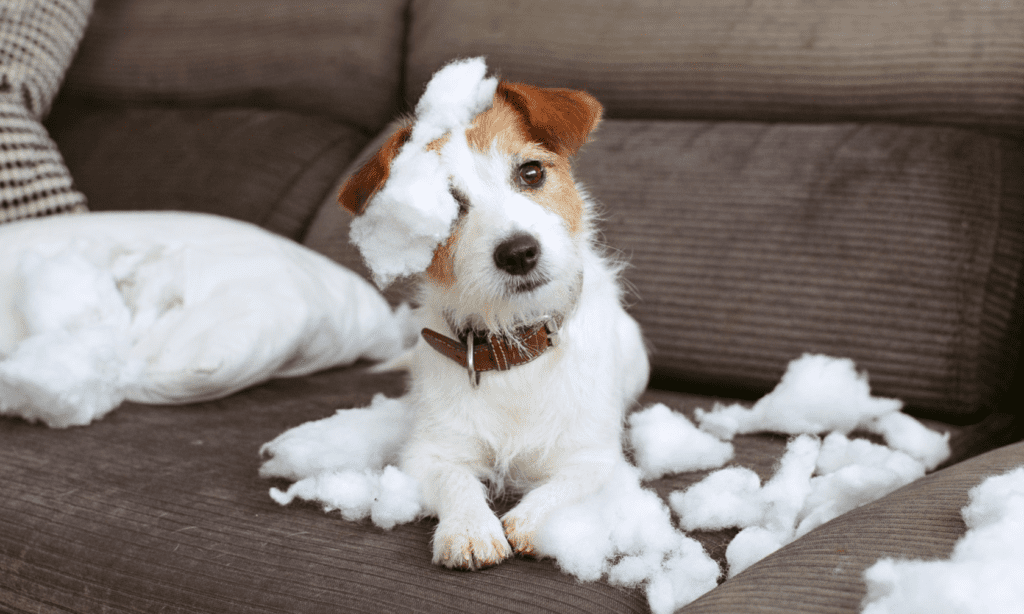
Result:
37,41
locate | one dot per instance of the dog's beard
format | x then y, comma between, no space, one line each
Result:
520,286
500,308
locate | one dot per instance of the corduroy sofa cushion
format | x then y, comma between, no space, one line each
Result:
269,167
750,244
953,62
340,58
161,509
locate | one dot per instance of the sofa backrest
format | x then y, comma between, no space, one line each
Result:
341,59
784,177
839,177
900,247
955,63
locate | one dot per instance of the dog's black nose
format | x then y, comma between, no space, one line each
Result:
518,254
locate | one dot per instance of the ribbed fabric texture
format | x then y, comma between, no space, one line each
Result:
751,244
269,167
341,59
957,62
37,41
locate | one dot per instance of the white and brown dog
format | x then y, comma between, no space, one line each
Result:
528,361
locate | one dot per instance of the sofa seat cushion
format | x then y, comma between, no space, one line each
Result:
955,63
161,508
268,167
341,59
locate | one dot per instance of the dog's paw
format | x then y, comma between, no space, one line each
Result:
470,545
520,532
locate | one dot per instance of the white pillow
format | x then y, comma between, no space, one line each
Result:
167,307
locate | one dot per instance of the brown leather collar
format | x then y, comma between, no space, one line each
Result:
491,352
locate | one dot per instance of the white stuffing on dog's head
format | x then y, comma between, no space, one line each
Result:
413,211
454,96
477,195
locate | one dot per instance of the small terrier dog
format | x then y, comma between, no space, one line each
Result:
528,361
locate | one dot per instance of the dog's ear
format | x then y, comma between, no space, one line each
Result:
361,186
558,119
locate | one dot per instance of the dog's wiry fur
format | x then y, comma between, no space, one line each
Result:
550,428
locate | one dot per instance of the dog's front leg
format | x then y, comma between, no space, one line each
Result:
581,475
468,534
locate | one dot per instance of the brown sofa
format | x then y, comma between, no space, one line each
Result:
784,177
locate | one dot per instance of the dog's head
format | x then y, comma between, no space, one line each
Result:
513,220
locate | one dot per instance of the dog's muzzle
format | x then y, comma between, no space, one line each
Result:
491,352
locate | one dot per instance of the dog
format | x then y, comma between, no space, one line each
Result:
527,360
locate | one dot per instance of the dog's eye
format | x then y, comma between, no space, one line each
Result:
531,174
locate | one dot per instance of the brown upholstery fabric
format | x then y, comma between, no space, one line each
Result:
750,244
339,58
954,62
821,572
268,167
161,509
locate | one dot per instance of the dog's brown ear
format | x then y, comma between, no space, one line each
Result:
361,186
559,119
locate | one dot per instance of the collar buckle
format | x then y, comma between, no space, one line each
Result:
553,326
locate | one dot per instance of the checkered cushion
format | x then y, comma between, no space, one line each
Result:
37,40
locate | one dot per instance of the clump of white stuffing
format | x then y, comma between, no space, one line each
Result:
414,210
352,439
851,473
168,307
388,497
73,361
624,533
985,572
813,484
817,394
780,501
345,463
664,441
904,433
820,394
723,500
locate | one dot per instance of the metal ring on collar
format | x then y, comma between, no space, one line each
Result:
474,377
